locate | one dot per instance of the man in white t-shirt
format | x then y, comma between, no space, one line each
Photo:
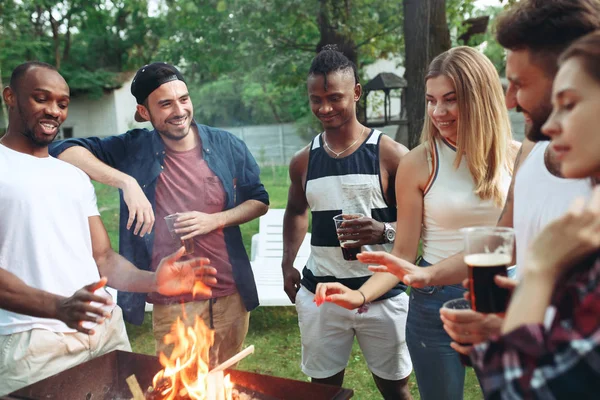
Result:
55,254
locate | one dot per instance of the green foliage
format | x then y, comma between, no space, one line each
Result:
487,43
89,41
245,60
457,11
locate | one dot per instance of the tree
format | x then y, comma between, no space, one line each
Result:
426,35
89,41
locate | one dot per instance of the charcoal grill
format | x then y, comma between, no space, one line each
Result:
104,378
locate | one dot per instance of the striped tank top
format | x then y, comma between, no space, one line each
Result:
450,203
327,194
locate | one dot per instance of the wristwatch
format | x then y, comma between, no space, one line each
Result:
389,233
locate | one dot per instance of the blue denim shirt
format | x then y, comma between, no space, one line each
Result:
140,153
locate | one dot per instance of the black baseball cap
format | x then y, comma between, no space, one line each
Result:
148,78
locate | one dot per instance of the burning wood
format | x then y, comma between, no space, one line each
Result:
135,388
185,373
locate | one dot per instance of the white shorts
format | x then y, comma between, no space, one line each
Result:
30,356
328,334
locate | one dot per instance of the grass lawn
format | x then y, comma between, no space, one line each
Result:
273,330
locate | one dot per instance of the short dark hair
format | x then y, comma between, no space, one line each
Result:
546,27
586,49
21,69
330,59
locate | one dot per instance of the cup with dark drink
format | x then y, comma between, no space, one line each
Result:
349,253
460,304
187,243
488,252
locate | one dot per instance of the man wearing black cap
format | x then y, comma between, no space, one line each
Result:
205,175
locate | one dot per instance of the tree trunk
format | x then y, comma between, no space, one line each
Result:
55,39
4,110
329,34
426,35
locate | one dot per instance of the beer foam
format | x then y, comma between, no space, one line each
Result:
488,260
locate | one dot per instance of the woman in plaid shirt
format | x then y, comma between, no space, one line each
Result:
560,359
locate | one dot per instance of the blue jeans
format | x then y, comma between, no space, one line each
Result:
440,374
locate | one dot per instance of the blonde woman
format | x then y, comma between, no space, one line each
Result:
457,177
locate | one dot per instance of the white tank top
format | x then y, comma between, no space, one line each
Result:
540,197
450,204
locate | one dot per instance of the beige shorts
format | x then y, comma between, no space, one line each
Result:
328,334
30,356
230,320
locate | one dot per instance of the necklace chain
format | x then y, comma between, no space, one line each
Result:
337,154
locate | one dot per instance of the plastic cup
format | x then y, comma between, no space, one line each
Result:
187,243
105,307
349,253
460,304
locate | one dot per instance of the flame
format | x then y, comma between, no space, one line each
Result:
185,372
201,288
228,387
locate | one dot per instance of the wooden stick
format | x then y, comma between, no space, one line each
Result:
135,388
244,353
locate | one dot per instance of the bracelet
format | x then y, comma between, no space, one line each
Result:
364,298
364,307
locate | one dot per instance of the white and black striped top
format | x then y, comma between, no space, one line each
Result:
325,197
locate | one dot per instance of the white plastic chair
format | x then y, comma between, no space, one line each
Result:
266,256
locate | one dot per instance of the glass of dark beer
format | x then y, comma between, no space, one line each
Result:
187,243
488,252
349,253
460,304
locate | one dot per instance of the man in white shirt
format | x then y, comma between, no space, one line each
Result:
55,254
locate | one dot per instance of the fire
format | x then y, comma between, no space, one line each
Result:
186,371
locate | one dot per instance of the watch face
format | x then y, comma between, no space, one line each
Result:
390,235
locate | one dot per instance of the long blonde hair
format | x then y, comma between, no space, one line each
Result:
483,133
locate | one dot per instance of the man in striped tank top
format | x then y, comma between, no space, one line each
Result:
346,153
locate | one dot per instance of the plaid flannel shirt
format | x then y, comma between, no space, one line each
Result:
558,362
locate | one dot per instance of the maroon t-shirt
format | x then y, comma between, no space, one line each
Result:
187,184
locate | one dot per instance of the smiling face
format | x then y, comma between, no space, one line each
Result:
170,110
529,91
573,125
442,106
39,105
334,106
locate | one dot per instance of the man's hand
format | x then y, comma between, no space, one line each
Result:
407,272
193,223
291,282
339,294
190,276
360,232
74,310
140,209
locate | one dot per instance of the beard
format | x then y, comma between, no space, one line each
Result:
168,135
538,118
29,133
37,141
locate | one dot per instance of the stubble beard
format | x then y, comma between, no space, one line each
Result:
30,133
534,133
